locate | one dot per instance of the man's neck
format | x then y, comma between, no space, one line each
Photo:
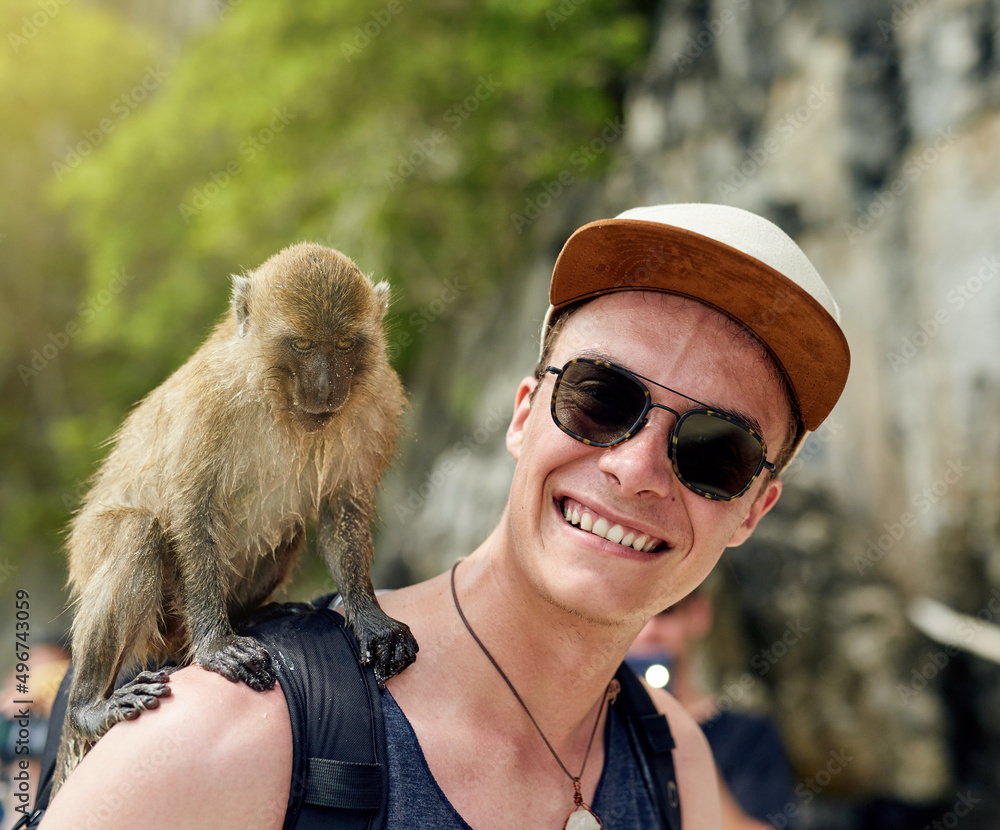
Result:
551,655
559,663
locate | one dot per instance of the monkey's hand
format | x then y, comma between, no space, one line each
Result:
143,692
385,644
237,658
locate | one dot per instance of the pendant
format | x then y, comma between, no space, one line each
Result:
582,817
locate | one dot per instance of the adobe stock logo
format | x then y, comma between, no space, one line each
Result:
579,160
120,109
923,501
380,20
955,301
422,149
696,44
911,172
57,341
31,26
812,786
461,453
248,149
771,144
955,633
761,663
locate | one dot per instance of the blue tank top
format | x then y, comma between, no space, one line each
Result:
416,802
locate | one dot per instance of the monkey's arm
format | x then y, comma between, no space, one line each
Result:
345,542
205,595
216,754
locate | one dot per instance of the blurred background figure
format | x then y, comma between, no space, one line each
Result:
47,665
746,745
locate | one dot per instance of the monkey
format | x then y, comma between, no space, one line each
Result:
287,415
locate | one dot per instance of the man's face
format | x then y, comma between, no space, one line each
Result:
688,347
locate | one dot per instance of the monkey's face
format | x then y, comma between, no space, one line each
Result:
317,323
318,376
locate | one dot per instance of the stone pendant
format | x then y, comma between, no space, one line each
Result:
581,817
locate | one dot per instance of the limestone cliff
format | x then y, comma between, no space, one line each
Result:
871,132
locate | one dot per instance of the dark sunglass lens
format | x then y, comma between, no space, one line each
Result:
716,455
598,403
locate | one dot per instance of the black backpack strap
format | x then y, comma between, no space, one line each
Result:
339,773
346,785
652,744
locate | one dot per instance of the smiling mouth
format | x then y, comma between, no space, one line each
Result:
587,519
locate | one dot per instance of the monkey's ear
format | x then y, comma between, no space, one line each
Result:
240,303
382,297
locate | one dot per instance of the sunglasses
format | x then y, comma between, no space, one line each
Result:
715,454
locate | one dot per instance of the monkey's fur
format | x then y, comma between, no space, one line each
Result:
286,415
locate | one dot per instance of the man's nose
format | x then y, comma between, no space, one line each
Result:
642,463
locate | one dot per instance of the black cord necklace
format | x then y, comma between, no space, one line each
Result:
580,816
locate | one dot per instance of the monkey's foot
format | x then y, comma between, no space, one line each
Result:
125,703
386,645
236,659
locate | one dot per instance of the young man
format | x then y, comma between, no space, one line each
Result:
687,350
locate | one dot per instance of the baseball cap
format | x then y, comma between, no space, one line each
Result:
730,259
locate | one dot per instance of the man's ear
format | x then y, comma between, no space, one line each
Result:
522,408
762,504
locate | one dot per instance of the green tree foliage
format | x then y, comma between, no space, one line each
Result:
407,135
62,68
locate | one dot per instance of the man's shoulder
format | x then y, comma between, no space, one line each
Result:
208,723
684,728
697,778
224,746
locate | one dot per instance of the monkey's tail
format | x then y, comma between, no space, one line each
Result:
72,748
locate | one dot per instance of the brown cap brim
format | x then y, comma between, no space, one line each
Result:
634,255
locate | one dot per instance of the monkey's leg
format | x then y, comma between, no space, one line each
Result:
345,542
214,645
116,619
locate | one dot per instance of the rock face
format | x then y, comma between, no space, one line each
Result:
871,132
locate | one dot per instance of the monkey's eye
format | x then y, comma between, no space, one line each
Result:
303,345
345,344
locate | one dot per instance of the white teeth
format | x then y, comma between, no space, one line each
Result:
600,526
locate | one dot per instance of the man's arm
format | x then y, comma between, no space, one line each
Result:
214,754
697,778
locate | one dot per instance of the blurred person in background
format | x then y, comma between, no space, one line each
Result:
748,751
23,738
